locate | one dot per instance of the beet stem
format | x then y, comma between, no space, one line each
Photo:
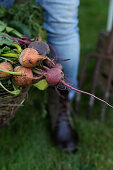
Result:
46,68
40,72
18,47
10,55
16,92
23,41
36,39
55,58
80,91
49,60
10,60
11,72
64,60
36,78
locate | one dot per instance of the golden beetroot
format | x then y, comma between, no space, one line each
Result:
25,78
7,67
29,57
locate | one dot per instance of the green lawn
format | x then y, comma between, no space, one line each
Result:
26,143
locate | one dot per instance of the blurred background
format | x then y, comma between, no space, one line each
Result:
26,143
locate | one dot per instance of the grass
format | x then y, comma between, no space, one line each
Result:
26,143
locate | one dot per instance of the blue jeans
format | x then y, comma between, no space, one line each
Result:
61,23
6,3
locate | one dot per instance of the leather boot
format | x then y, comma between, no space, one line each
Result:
65,137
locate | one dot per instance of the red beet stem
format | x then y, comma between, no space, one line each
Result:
64,60
46,68
36,39
55,58
41,73
21,40
27,39
80,91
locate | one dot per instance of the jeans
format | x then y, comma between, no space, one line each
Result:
61,23
6,3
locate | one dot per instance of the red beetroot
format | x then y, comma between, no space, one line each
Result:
59,66
7,67
26,77
54,76
41,47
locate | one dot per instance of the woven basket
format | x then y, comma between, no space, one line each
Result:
9,104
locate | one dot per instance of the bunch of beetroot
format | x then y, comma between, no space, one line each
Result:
32,65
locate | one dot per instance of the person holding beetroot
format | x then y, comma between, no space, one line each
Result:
61,23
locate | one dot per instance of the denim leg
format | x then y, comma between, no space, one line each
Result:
6,3
61,22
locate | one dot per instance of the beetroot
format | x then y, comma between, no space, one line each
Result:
59,66
41,47
54,76
26,77
7,67
29,58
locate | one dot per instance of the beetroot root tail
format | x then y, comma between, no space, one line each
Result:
80,91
